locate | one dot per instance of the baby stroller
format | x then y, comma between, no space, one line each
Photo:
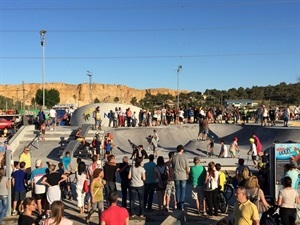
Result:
270,217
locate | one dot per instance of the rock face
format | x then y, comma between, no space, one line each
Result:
80,94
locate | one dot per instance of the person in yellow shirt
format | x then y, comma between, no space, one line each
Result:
222,177
244,212
26,157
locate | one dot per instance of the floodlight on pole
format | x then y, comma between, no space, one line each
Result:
178,72
42,36
90,74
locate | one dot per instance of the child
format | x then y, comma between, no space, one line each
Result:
211,147
64,186
66,160
265,158
222,177
108,148
43,130
234,147
223,152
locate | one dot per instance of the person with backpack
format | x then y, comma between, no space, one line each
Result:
161,174
256,195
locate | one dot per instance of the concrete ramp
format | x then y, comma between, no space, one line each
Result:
171,136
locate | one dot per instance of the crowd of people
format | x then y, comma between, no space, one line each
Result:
166,116
96,189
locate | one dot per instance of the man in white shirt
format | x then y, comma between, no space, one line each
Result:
253,151
52,115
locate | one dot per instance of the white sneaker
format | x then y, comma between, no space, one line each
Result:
14,213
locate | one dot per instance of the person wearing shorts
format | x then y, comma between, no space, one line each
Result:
39,190
19,178
253,151
170,189
198,175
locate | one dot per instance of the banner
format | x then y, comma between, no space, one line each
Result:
287,151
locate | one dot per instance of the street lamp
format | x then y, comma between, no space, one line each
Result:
90,74
178,72
42,36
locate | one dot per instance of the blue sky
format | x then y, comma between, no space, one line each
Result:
220,44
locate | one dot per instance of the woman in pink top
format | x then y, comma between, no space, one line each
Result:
57,215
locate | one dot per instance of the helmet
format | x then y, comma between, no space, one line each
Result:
235,139
251,140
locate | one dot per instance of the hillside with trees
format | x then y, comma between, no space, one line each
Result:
281,94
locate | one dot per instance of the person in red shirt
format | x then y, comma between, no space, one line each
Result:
108,216
258,145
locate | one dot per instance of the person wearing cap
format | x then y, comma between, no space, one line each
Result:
39,190
293,174
234,147
253,151
181,173
26,157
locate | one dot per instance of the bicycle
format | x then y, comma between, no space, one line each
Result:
228,187
222,202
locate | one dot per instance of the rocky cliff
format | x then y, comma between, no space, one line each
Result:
80,94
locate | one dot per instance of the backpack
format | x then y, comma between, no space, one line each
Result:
163,179
254,198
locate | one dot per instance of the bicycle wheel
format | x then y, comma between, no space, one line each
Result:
228,192
223,206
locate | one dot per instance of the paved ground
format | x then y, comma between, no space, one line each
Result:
170,137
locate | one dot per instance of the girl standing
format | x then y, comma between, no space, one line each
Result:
96,190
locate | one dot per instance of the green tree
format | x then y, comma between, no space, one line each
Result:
134,101
116,99
52,97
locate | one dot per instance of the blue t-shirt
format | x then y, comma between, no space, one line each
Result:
38,172
149,167
293,174
66,161
108,147
19,177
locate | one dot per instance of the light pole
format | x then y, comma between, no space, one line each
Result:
90,74
178,72
42,36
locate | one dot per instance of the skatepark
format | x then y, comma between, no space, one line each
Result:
169,137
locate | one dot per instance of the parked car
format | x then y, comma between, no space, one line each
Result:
6,123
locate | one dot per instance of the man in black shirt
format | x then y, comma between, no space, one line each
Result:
124,168
139,152
110,168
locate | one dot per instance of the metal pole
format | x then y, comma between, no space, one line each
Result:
178,72
42,36
90,74
8,159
